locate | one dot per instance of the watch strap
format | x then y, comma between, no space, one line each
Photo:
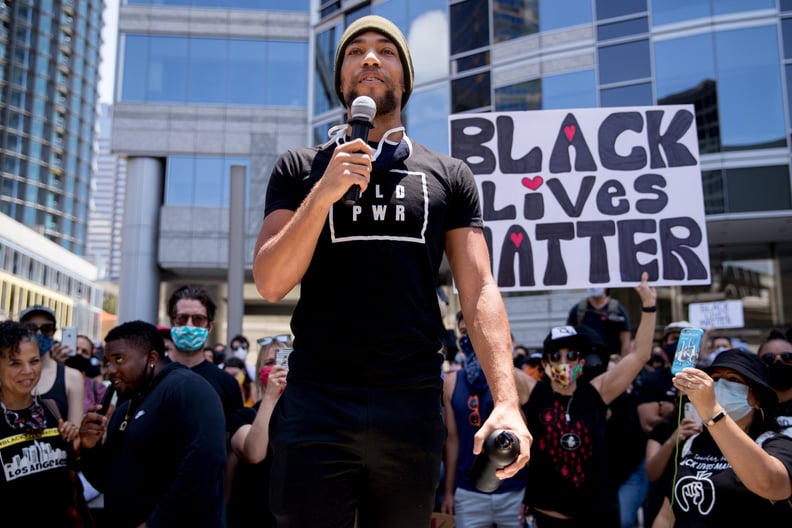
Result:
720,415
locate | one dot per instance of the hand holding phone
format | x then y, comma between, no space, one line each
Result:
282,357
688,349
69,339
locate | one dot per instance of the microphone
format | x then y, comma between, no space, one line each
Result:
363,110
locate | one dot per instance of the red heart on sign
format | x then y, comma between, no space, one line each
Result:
569,130
533,183
517,238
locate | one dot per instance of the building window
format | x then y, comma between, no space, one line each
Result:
200,181
514,18
215,71
469,25
526,95
630,95
559,15
569,90
757,189
470,93
624,62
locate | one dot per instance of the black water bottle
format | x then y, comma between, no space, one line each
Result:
500,449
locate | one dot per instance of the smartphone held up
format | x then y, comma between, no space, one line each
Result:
688,349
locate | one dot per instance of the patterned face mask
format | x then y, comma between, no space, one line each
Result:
189,338
563,373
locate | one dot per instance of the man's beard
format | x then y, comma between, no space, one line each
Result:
386,103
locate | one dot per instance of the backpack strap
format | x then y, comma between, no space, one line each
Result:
53,407
582,308
613,306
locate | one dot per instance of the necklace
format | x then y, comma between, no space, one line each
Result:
569,404
35,423
126,416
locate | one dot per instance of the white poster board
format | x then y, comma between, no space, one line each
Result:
596,196
721,314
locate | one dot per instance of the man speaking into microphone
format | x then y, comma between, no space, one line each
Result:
358,432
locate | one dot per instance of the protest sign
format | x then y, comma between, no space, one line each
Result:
721,314
596,196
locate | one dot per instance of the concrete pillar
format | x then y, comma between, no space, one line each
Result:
236,252
139,282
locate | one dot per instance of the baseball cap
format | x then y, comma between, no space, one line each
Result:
37,308
676,326
565,337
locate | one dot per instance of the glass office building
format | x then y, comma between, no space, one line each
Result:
731,59
49,63
201,86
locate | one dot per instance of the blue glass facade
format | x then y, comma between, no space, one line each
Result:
731,59
49,62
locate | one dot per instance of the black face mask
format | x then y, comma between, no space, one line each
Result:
670,350
780,376
84,365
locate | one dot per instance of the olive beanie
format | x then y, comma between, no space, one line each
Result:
384,27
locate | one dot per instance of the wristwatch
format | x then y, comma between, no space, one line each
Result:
720,415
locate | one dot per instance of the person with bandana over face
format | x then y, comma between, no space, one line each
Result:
738,470
159,457
58,382
566,482
468,402
776,352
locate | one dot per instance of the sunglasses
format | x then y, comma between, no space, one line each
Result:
46,328
770,358
266,341
571,355
474,418
197,320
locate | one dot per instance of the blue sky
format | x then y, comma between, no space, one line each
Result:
107,66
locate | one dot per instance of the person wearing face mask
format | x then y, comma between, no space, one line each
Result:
239,348
606,316
776,352
191,311
58,382
567,478
738,470
711,346
468,403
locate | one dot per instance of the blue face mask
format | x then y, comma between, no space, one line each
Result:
44,343
733,397
189,338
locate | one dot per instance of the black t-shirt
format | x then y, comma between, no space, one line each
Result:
608,326
626,441
35,488
368,311
568,470
224,384
250,493
708,493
